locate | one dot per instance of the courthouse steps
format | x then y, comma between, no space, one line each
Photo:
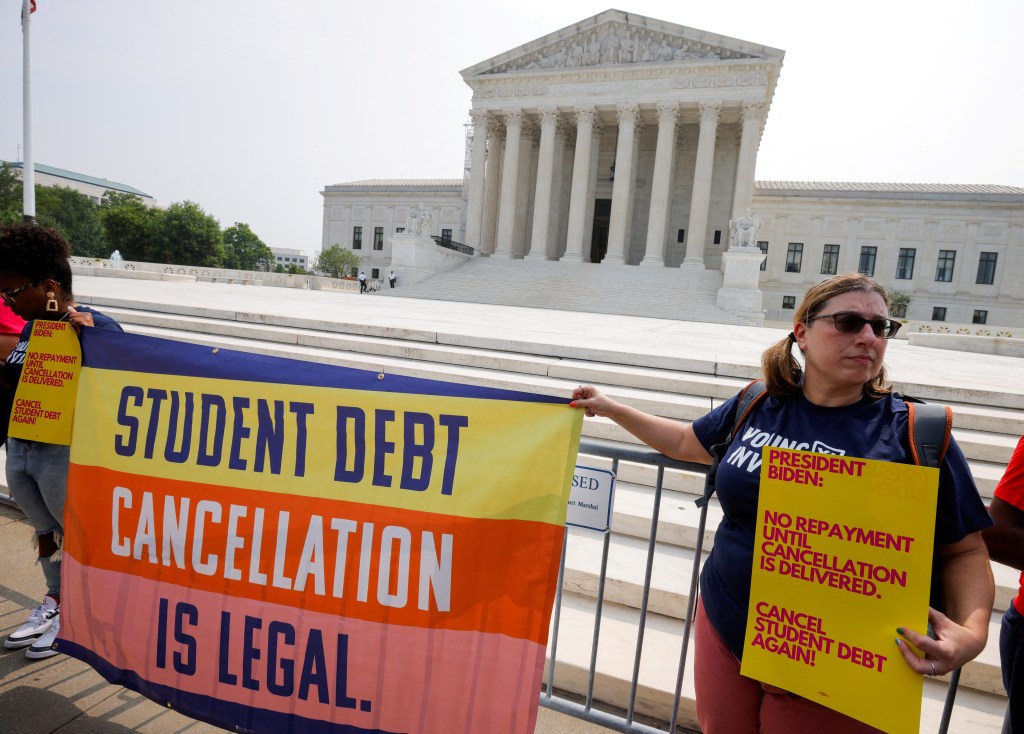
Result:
679,388
628,290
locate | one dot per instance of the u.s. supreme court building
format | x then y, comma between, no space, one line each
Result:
626,141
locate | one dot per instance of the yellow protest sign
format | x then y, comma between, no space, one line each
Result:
44,403
842,557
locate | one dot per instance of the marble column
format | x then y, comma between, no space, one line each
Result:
622,187
701,199
661,187
743,191
561,180
509,184
477,175
580,192
529,136
492,184
545,177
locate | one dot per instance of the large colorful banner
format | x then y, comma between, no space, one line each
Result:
272,545
842,557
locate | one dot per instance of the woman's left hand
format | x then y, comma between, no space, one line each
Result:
79,319
952,646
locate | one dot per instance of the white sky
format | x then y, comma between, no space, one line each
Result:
251,107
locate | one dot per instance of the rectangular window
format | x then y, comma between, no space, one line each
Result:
939,313
375,273
905,263
987,268
789,302
980,317
867,260
681,235
446,234
944,268
762,245
357,238
794,257
399,230
830,260
899,311
718,236
378,238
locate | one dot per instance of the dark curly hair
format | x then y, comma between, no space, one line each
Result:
38,253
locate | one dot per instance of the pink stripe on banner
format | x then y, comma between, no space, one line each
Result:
302,663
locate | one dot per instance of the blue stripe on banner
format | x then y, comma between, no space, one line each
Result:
235,717
112,350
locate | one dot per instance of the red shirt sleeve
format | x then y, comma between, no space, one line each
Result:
1011,487
9,323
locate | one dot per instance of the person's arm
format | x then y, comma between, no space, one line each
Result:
1005,539
969,590
675,440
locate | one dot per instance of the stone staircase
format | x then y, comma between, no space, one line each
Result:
986,432
628,290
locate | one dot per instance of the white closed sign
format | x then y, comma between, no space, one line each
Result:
590,501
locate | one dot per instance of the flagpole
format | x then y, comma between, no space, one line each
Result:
28,166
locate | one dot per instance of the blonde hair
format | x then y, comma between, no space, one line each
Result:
783,374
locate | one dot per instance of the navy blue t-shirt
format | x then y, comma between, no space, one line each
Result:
869,429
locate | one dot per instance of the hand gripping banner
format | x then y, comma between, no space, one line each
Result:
271,545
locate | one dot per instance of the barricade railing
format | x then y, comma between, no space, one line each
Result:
586,711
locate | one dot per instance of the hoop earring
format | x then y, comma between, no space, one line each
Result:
51,303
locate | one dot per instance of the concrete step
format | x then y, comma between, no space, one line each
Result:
976,712
667,293
683,396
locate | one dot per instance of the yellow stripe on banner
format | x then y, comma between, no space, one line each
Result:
466,457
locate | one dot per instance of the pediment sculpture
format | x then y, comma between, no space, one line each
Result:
616,43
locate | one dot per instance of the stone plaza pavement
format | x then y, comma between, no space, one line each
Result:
66,696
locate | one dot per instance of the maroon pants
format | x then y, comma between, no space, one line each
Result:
730,703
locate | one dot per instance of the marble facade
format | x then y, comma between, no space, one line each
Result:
628,141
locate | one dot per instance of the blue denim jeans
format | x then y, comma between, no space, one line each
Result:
1011,655
37,476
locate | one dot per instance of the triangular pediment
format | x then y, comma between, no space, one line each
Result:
615,38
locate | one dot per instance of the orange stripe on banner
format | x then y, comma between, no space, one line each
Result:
354,560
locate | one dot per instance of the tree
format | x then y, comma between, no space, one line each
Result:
128,224
10,196
186,235
243,250
898,302
75,216
336,261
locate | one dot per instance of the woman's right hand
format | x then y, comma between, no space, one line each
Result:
591,400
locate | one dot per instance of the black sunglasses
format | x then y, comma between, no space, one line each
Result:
848,322
9,294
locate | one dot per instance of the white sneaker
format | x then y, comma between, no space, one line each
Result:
44,647
38,623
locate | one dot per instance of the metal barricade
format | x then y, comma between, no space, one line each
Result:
586,711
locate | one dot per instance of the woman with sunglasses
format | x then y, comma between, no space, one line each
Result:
35,282
837,400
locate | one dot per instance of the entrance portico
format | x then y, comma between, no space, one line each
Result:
661,119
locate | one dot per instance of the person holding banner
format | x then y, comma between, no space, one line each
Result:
1006,544
35,282
837,401
10,330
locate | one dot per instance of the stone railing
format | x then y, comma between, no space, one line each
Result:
942,327
1006,341
159,271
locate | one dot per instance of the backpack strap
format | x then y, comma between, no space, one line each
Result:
928,430
747,398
